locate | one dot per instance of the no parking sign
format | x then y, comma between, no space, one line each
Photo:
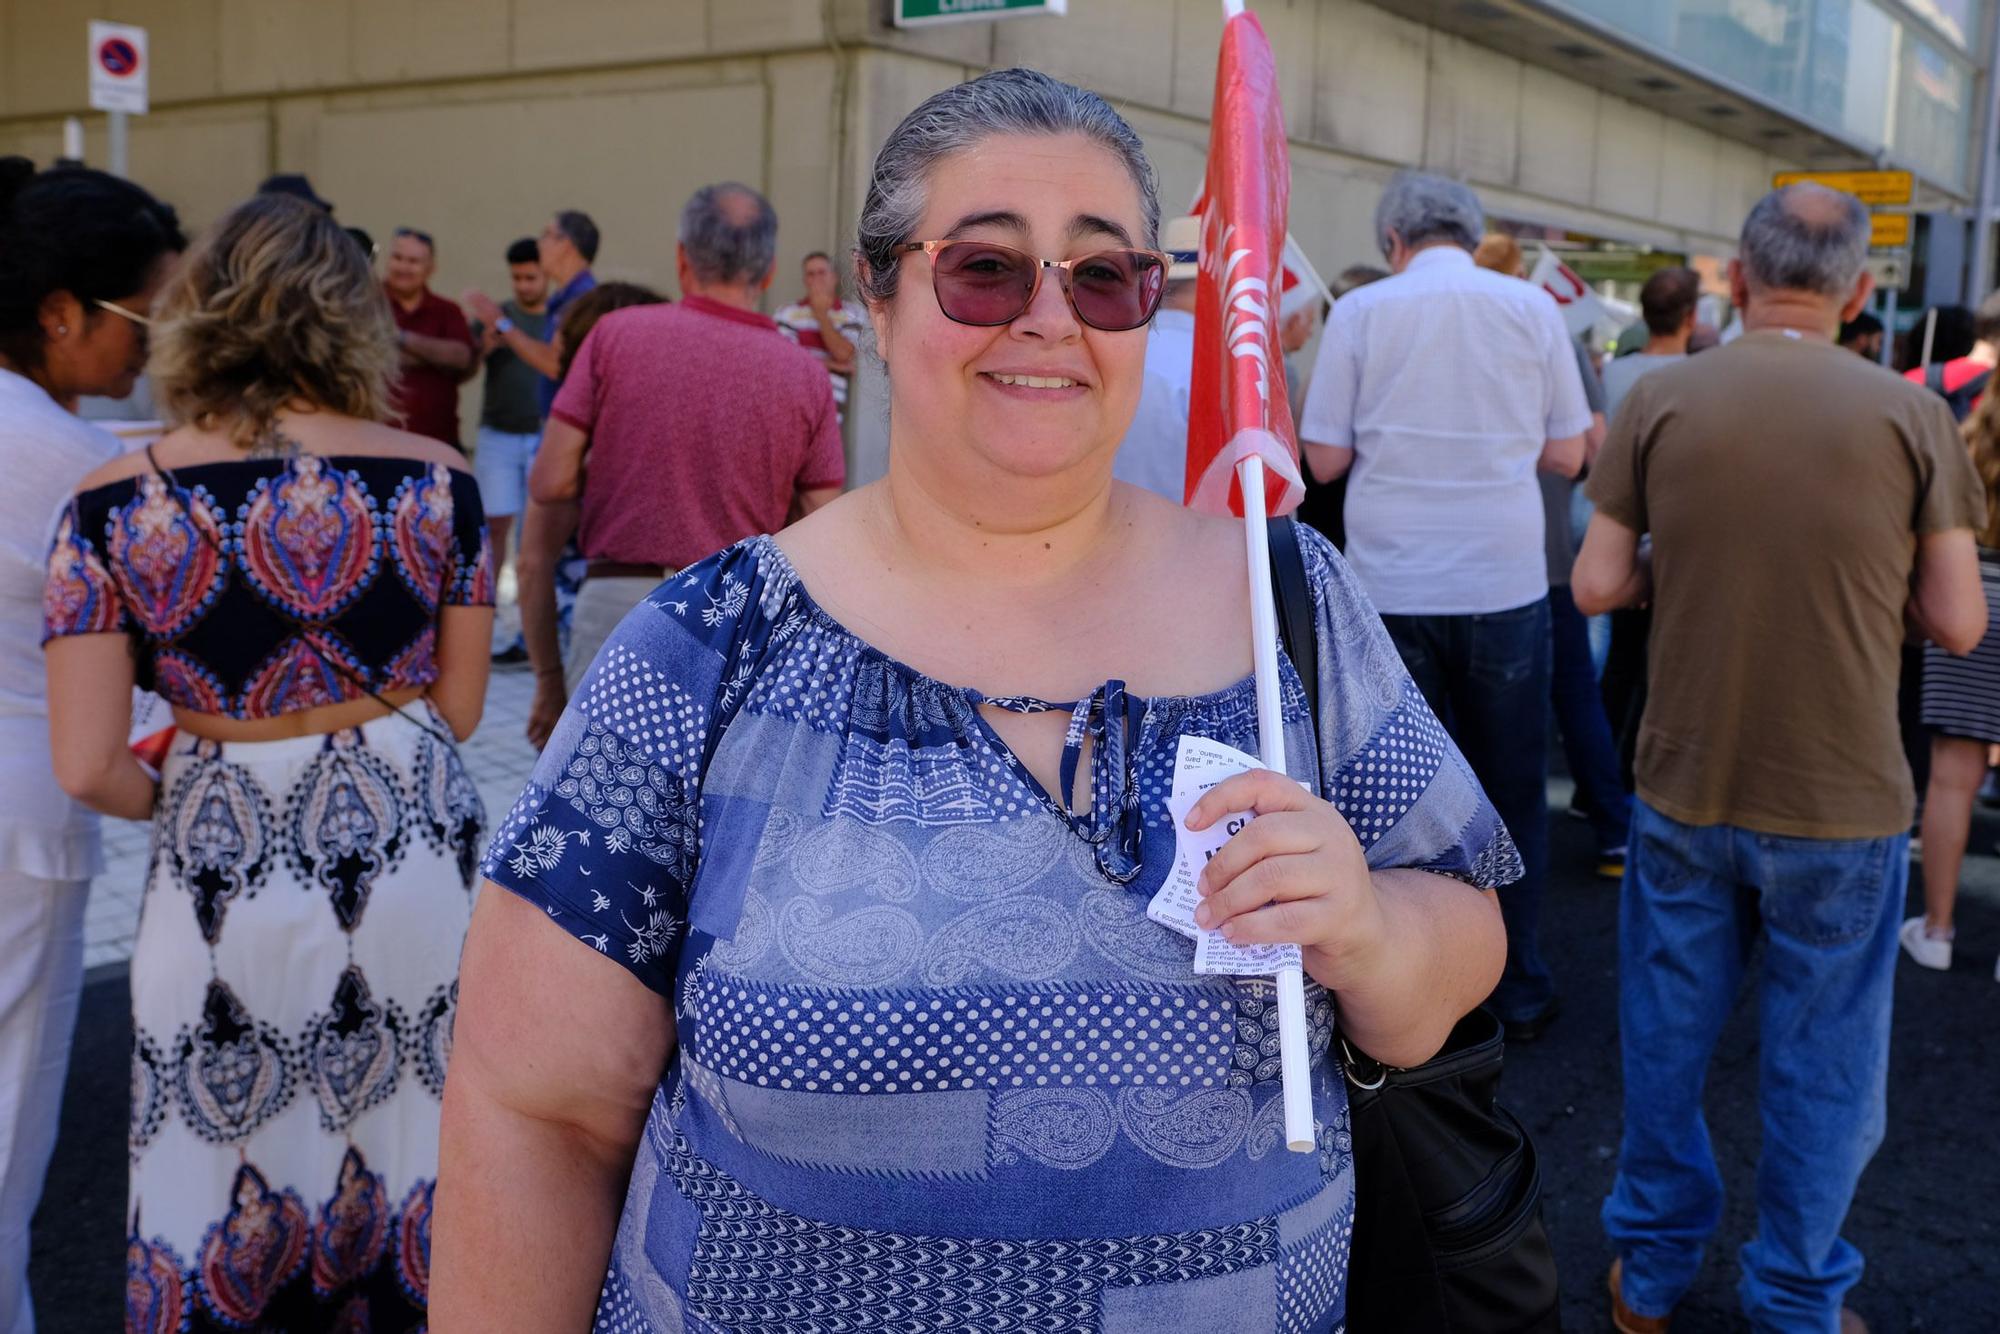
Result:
118,67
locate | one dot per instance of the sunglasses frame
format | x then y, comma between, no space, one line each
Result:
143,321
1067,280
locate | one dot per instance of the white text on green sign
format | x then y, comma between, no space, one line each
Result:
919,13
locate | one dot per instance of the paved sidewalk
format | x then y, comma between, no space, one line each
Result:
498,758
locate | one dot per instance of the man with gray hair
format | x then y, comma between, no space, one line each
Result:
1439,391
1802,504
703,425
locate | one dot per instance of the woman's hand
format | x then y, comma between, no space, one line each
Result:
1408,952
1293,875
545,710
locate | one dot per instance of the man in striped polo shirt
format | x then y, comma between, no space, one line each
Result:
825,325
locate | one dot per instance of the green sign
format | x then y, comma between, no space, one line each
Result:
1620,266
923,13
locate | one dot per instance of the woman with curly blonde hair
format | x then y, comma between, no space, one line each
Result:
311,590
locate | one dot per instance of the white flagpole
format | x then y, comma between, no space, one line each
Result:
1294,1060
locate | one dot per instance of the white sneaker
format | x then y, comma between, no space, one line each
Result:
1925,949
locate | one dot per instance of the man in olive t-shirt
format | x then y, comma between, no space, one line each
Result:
1801,502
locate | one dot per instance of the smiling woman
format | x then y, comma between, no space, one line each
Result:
854,829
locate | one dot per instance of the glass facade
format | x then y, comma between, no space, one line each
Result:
1887,74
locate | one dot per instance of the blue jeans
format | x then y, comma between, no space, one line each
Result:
1695,901
1486,677
1586,734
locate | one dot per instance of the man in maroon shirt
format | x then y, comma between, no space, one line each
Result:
437,348
702,425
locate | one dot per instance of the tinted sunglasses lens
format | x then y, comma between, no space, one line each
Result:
1117,289
984,284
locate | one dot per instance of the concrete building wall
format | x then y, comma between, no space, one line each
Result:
474,119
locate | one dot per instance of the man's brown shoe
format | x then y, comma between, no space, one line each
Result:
1624,1320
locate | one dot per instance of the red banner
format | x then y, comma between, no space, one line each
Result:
1238,407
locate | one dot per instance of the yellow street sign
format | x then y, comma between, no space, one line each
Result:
1888,231
1870,187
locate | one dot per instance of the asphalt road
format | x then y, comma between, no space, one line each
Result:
1925,1218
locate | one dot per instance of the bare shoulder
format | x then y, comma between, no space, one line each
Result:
828,539
126,465
390,442
1174,536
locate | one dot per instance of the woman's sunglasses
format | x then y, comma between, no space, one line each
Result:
983,283
144,322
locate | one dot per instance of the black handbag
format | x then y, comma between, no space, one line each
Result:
1448,1232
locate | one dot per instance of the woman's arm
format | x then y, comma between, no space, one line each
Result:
1408,953
464,661
90,721
545,528
556,1053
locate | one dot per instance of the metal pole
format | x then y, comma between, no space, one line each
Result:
1930,338
1979,274
1888,326
117,156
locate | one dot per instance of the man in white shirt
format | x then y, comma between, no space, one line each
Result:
1154,451
1443,388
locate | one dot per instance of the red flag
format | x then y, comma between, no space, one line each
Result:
1238,405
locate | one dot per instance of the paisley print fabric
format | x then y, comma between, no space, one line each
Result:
307,538
294,982
344,823
937,1070
169,550
79,597
256,588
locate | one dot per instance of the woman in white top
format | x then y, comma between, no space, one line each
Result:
81,255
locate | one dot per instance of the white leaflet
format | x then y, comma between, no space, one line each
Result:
1199,764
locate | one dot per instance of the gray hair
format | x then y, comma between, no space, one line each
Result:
1007,101
730,233
1805,238
1422,208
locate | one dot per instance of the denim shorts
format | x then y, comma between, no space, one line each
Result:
500,462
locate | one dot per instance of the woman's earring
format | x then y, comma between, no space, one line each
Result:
62,331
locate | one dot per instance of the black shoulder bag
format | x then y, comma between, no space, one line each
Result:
1448,1233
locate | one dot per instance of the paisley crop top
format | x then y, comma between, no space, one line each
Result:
259,587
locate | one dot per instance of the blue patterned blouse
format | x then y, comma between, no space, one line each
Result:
937,1070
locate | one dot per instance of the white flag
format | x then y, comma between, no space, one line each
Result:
1580,306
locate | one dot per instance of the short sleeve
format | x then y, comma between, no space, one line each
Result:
79,597
577,400
471,570
1616,485
1569,410
454,323
1386,763
606,838
824,463
1953,496
1329,414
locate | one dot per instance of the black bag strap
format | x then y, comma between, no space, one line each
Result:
1293,595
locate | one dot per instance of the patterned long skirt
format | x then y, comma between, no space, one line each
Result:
294,982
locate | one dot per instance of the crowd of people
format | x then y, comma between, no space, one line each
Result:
812,985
